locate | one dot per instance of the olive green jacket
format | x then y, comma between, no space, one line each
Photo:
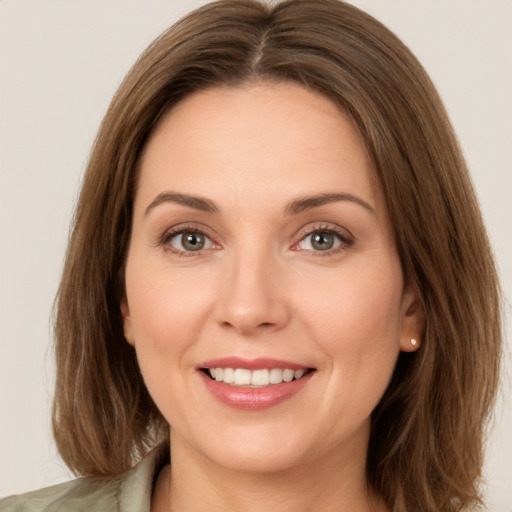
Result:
129,492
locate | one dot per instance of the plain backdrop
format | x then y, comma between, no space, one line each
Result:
60,63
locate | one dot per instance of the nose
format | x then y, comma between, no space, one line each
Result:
253,296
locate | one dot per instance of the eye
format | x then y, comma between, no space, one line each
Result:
189,241
324,240
320,241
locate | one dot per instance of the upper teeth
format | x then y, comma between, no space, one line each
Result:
243,377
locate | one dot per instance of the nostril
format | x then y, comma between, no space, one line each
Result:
260,325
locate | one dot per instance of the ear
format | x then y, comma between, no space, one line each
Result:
127,321
413,321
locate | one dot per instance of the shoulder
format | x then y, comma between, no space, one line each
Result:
129,492
91,494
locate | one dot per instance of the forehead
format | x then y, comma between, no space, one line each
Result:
257,141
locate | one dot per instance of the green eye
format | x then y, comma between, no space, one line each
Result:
320,241
190,241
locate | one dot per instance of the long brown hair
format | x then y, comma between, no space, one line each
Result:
425,451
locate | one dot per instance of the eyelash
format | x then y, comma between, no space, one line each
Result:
345,237
166,238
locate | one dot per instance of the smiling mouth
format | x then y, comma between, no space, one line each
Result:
242,377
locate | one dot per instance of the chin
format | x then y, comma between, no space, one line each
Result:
247,449
259,461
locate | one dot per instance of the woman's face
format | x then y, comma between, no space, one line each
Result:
261,249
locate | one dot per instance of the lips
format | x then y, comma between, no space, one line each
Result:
253,384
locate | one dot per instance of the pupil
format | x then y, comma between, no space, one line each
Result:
322,241
193,241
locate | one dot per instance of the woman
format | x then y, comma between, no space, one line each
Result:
277,252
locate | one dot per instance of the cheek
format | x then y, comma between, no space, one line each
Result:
356,322
366,305
162,303
166,314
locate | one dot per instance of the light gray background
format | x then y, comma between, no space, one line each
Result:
60,63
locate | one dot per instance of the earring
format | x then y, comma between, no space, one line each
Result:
413,342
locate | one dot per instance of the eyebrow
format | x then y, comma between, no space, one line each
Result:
198,203
293,208
309,202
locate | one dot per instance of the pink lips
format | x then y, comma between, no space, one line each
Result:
251,364
253,398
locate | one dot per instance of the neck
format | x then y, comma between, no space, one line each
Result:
332,484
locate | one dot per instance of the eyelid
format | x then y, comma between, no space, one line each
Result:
346,237
164,238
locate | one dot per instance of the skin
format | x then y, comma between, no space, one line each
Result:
260,289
